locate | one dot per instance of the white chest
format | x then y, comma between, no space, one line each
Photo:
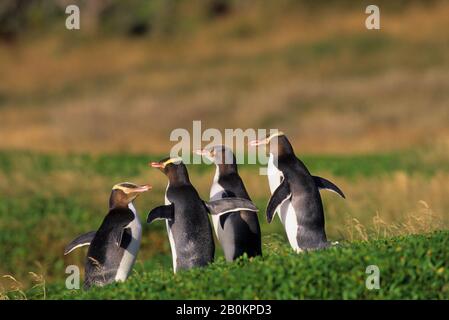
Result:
130,254
170,235
216,190
274,175
216,193
286,212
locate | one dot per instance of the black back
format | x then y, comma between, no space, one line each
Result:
190,227
306,199
107,248
239,232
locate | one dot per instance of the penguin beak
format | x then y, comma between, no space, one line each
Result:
208,154
159,165
156,165
143,188
203,152
261,142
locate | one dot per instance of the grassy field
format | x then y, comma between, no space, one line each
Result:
412,267
46,200
366,109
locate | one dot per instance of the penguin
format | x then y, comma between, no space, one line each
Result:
239,231
114,246
295,195
186,214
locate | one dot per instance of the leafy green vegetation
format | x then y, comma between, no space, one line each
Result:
46,200
412,267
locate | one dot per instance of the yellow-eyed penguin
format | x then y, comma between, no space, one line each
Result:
114,246
186,215
239,231
295,195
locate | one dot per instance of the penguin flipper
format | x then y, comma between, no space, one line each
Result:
162,212
124,238
226,205
322,183
80,241
281,194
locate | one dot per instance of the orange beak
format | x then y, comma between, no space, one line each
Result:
261,142
203,152
143,188
156,165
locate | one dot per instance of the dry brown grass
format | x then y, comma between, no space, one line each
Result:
9,285
63,96
11,288
389,206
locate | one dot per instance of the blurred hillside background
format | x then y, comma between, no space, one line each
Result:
81,110
310,68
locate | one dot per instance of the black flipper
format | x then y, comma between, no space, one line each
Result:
125,238
226,205
81,241
281,194
322,183
223,218
162,212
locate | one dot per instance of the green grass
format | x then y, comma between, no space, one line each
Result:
120,165
46,200
413,267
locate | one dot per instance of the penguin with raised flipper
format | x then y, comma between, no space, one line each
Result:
114,246
186,215
238,232
295,195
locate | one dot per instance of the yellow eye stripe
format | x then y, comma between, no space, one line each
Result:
122,188
172,160
276,134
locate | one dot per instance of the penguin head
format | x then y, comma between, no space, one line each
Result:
173,168
126,192
222,156
277,142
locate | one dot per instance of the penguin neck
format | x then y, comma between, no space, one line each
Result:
120,205
222,170
118,200
282,149
178,179
132,208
